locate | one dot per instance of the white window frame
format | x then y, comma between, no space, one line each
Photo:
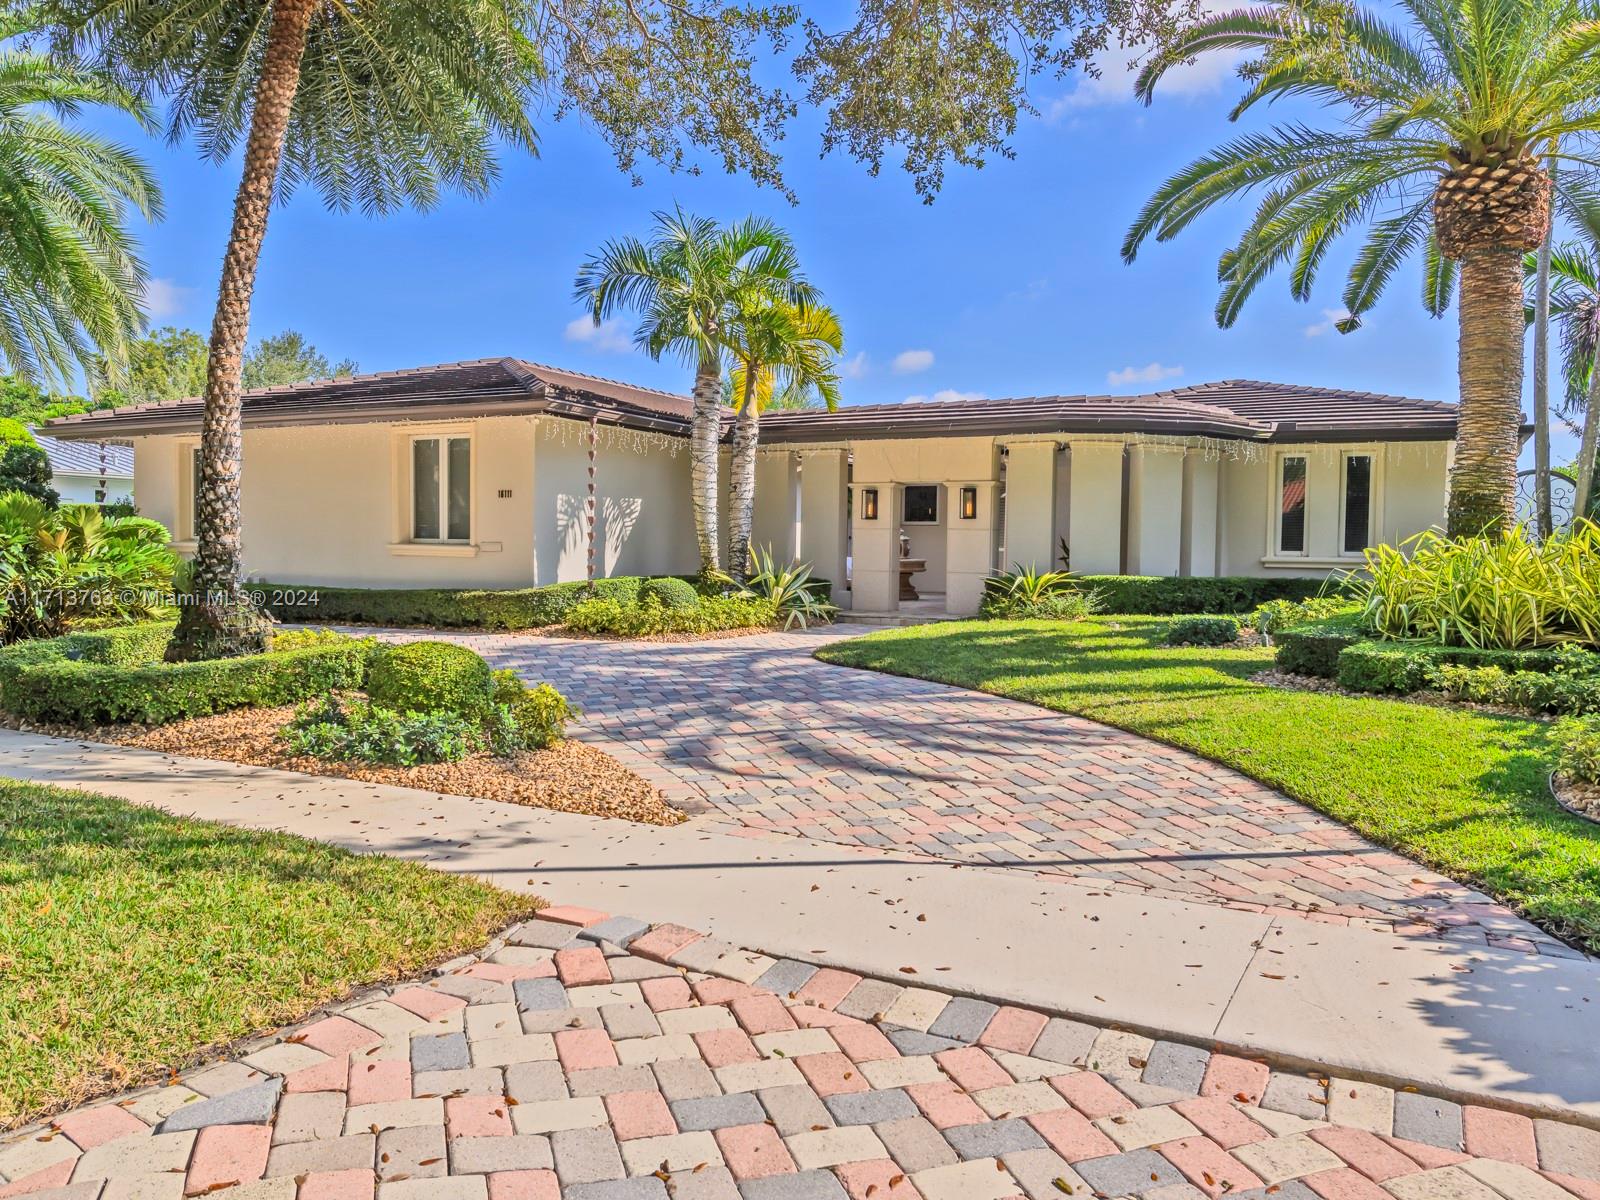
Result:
1374,494
938,504
443,437
1276,550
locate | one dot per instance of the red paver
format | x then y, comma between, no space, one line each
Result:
428,1003
338,1035
945,1105
583,966
1014,1029
879,1179
639,1114
330,1076
53,1176
337,1185
1091,1095
753,1151
665,994
1494,1133
584,1049
1071,1136
91,1127
477,1116
1231,1078
866,1043
1345,1184
524,1185
663,941
227,1154
569,914
1428,1157
761,1014
1221,1122
831,1074
721,1047
376,1082
1366,1152
828,987
1208,1166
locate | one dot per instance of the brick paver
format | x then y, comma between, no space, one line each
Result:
755,733
630,1112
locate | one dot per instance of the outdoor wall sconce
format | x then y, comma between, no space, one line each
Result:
969,504
869,504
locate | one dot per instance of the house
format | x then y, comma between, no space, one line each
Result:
477,474
88,472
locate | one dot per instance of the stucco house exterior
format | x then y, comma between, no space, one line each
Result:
475,474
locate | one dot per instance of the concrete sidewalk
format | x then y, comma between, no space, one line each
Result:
1510,1028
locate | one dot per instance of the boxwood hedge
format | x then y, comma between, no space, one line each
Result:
1402,666
1163,596
1314,648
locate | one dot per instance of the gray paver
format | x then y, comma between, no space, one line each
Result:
913,1042
717,1112
533,1081
629,1021
540,993
309,1117
915,1144
1130,1174
712,1183
443,1052
868,1108
251,1105
483,1155
1567,1149
357,1151
991,1139
1176,1066
794,1108
475,1081
603,1081
1297,1095
1423,1119
416,1152
550,935
803,1185
1065,1041
586,1156
1289,1189
645,1187
868,999
786,976
619,931
964,1019
685,1078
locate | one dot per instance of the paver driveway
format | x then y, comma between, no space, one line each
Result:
764,738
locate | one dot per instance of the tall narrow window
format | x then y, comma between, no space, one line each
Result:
1292,505
194,493
1357,502
441,489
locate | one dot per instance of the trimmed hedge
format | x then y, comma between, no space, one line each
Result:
1202,631
448,608
113,676
431,677
1402,666
1314,648
1161,596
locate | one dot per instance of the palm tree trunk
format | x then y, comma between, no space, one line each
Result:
703,449
221,620
1586,448
1483,480
746,433
1543,522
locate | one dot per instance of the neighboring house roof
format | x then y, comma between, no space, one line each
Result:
84,458
1235,408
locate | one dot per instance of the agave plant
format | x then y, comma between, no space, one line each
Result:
1024,585
791,589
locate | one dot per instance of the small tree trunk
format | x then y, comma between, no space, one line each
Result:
1483,481
703,443
1543,521
746,433
1586,448
220,619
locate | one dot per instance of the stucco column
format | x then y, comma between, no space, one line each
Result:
1201,476
969,543
824,478
1094,534
776,522
875,547
1031,505
1155,509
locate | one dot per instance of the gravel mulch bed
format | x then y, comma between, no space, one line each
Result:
568,777
1579,798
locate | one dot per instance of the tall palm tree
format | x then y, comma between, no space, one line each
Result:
688,283
1450,121
1575,310
71,280
783,355
377,104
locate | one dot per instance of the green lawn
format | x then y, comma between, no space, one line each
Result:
1461,791
130,939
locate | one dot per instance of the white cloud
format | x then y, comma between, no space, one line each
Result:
163,299
611,336
945,395
1119,67
1149,373
856,367
909,362
1330,318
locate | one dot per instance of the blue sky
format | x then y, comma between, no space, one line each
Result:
1009,284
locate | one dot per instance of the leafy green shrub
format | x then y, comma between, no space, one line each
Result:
1202,631
1552,679
1577,743
1274,615
648,619
365,732
442,608
61,565
43,682
429,677
523,717
1503,592
791,591
299,639
1178,595
1006,591
1055,606
24,466
669,592
1314,648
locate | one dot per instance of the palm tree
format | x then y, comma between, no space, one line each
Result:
377,105
783,356
1450,121
688,283
70,279
1575,310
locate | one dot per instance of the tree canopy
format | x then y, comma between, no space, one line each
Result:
286,358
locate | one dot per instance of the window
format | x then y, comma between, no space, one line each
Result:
194,493
922,504
441,489
1292,504
1357,503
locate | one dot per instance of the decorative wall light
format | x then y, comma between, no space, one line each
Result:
969,504
869,504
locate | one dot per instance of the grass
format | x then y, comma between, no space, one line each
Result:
131,940
1461,791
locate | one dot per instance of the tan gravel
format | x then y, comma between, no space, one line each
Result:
568,777
1577,797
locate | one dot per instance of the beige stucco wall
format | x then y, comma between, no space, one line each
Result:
328,504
